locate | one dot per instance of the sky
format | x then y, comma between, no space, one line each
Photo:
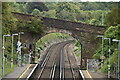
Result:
60,0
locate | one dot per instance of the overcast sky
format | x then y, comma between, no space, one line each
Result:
60,0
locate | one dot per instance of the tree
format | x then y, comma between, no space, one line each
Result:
113,17
36,5
35,12
50,13
113,32
9,22
67,11
33,26
93,22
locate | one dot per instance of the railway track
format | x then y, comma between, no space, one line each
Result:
42,68
53,66
73,67
69,69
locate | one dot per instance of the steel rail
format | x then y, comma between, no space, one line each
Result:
62,64
45,62
72,71
46,59
53,70
43,65
28,77
80,72
52,74
83,77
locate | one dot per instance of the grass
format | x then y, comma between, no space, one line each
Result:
50,38
53,36
78,54
8,69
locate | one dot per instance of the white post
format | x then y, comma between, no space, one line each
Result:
119,60
102,36
19,52
102,50
87,64
109,60
12,53
12,49
3,58
109,57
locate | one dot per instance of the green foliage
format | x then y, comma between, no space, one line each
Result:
113,33
8,69
9,22
51,5
98,5
77,44
93,22
98,54
36,12
50,38
50,14
19,7
34,26
77,49
86,12
113,17
36,5
113,59
70,7
12,25
89,12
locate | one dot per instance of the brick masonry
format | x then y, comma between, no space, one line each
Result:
86,34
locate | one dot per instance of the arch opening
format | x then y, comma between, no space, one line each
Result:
52,38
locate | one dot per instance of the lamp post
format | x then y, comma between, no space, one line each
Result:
101,36
118,57
20,34
3,55
19,50
109,58
12,49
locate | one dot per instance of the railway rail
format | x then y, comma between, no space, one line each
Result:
73,68
70,63
54,65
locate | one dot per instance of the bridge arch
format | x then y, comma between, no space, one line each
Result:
84,33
